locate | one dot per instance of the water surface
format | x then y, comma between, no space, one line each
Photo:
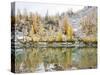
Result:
54,59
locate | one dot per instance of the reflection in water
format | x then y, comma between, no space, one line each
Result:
55,59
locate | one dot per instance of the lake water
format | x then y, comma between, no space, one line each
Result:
54,59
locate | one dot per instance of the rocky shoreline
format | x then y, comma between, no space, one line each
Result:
55,44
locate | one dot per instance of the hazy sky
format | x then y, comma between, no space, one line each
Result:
42,8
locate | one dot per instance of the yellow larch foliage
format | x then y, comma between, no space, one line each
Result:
59,36
68,30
